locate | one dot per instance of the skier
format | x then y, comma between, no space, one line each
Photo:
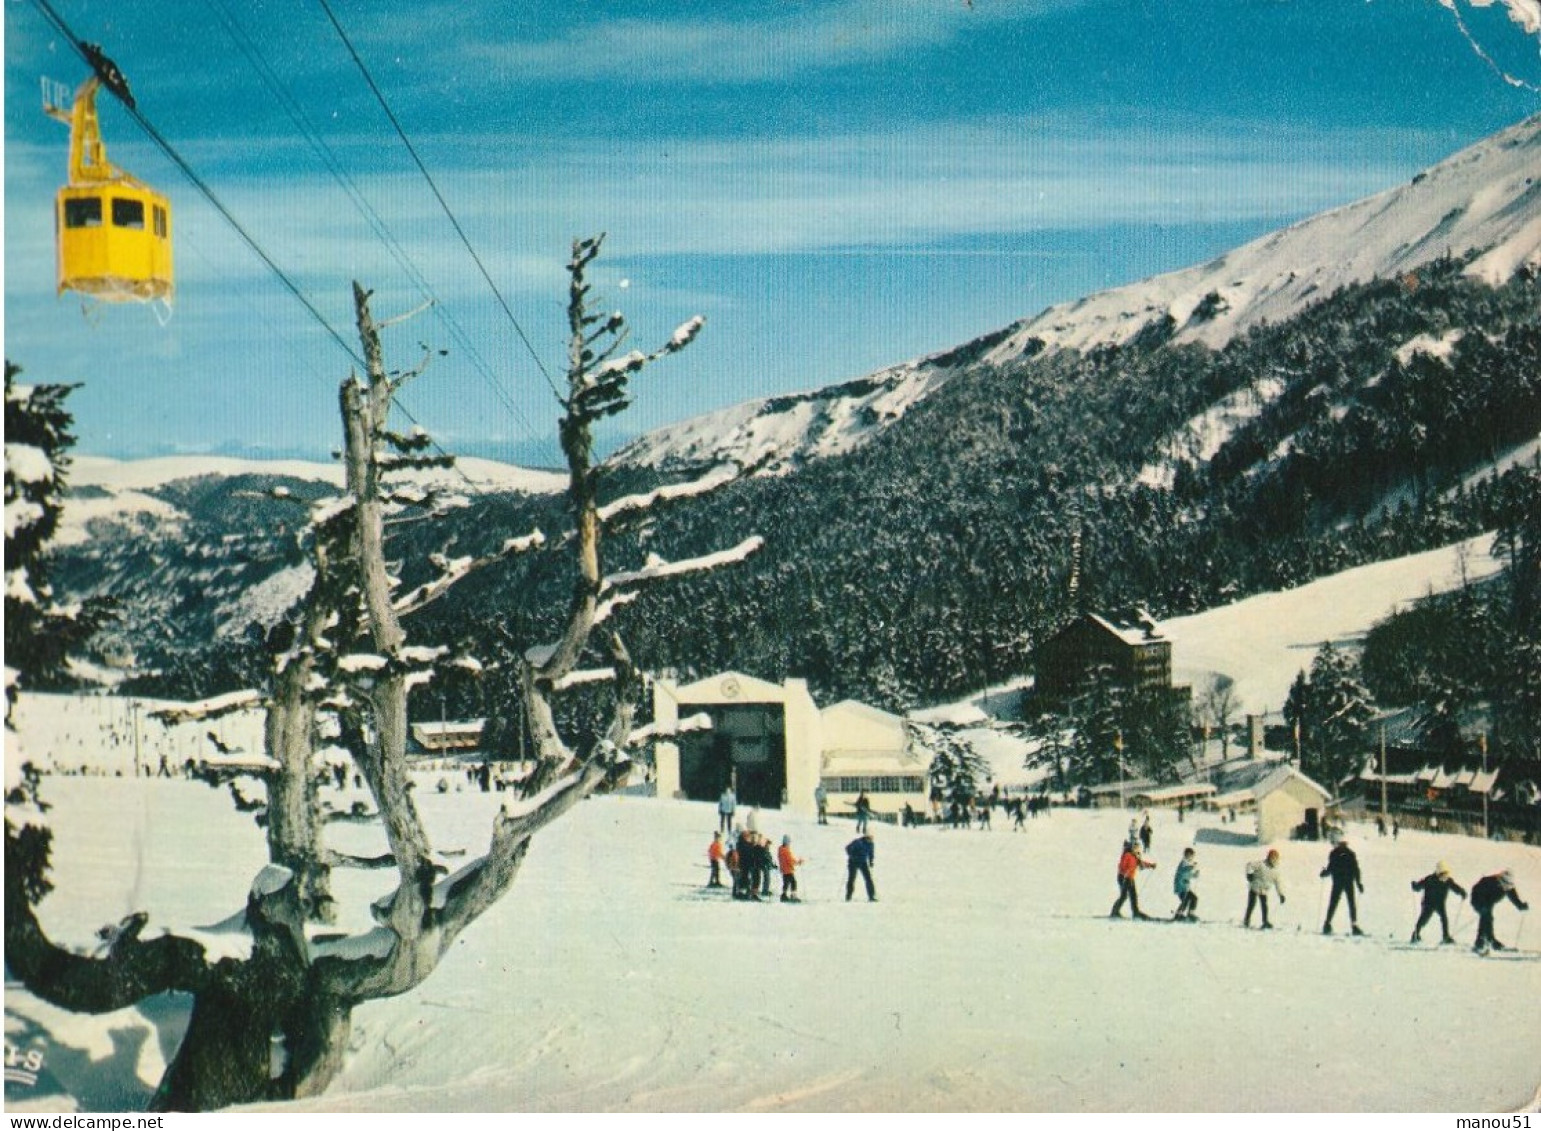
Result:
1343,867
1129,865
821,799
726,804
1182,884
735,865
1261,875
715,854
767,863
860,855
1146,832
788,863
863,811
1486,894
746,879
1435,887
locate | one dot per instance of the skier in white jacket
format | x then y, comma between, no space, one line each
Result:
1262,875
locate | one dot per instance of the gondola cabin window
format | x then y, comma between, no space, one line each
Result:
83,212
127,213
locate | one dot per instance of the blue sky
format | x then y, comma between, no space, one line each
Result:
837,186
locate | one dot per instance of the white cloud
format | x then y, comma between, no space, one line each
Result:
749,49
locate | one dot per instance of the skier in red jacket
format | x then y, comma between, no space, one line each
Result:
1129,865
788,862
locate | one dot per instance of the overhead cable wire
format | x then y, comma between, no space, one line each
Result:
365,209
444,204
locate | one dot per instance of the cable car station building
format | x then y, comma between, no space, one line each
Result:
775,746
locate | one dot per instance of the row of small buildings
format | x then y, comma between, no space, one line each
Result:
775,746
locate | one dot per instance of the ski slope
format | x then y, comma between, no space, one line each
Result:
987,977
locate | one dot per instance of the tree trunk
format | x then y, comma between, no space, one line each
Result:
294,833
266,1028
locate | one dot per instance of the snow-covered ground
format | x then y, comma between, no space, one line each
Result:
987,977
1483,197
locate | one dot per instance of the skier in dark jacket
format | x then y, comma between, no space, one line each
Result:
1343,867
863,812
860,855
1436,886
1486,894
746,880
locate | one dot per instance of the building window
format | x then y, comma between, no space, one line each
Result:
887,783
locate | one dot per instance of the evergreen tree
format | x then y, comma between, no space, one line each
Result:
1337,736
956,770
40,635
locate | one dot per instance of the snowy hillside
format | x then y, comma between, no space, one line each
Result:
987,978
1262,642
780,431
119,490
1486,197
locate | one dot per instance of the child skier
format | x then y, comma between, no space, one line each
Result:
1262,875
715,854
788,864
1182,884
1435,887
1343,867
1486,894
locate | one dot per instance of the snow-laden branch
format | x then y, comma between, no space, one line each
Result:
655,729
451,570
531,541
205,709
324,511
656,567
611,602
714,480
586,675
455,570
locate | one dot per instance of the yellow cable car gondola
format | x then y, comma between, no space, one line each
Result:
112,231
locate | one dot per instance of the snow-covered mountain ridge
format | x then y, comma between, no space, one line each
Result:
1485,198
121,492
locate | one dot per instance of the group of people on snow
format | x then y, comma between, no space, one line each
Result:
1342,868
749,861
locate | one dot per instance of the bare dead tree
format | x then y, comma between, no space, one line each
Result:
275,1024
